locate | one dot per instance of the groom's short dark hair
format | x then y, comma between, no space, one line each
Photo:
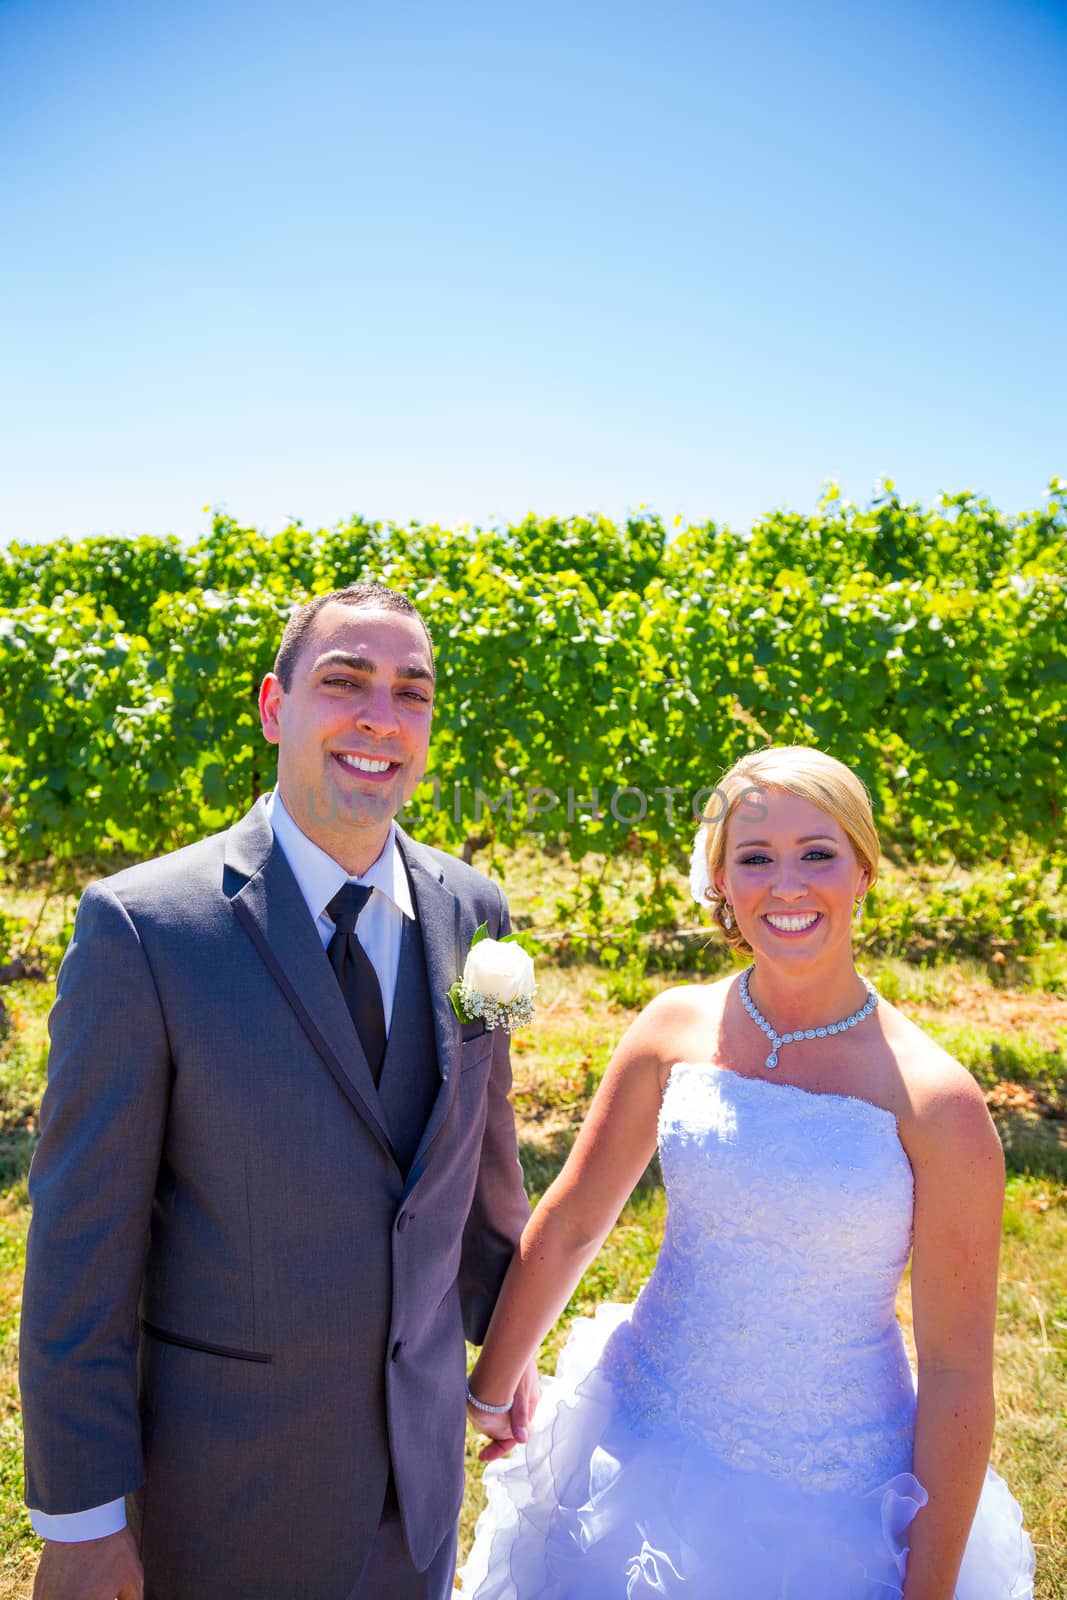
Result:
365,596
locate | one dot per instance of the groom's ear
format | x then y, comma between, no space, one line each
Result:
271,695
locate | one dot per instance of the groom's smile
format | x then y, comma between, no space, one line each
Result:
364,763
353,727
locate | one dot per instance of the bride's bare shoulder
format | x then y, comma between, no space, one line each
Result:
688,1002
678,1020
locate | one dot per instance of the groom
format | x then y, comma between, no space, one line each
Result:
277,1180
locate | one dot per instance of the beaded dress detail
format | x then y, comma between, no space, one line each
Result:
743,1431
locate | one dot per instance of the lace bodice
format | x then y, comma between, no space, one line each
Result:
767,1329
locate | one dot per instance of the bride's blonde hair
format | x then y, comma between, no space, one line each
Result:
795,769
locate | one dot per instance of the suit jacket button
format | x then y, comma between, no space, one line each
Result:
404,1220
395,1356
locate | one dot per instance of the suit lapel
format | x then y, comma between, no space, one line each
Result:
438,913
270,907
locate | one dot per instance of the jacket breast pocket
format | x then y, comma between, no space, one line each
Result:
473,1052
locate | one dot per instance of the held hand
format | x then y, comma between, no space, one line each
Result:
525,1402
93,1569
509,1428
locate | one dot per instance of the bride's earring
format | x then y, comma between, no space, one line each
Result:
727,917
858,912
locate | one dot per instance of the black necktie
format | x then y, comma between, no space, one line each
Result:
355,974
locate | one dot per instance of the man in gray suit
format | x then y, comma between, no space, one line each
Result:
277,1178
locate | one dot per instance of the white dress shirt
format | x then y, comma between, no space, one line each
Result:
381,922
380,927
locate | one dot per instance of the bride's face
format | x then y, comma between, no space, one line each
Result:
792,878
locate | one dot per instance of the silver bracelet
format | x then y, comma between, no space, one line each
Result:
480,1405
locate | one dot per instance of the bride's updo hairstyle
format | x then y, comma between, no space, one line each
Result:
794,769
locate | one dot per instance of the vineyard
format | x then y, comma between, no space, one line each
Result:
594,679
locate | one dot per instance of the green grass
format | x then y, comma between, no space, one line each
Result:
1031,1445
1012,1036
993,1057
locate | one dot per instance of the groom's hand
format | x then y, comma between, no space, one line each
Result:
94,1569
510,1427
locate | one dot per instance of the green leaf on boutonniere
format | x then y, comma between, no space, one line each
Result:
481,932
457,1006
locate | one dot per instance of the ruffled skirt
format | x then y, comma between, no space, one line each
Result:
589,1510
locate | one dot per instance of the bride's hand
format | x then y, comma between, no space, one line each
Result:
506,1429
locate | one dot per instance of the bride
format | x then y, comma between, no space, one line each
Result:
749,1429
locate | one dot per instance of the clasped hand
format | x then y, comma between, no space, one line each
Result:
506,1429
94,1569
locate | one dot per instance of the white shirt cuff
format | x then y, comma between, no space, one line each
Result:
73,1526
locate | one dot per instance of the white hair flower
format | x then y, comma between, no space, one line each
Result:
699,882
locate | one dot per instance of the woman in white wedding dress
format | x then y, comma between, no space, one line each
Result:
749,1429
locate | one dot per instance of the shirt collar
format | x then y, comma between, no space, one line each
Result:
319,876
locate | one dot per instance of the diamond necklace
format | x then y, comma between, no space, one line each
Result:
779,1039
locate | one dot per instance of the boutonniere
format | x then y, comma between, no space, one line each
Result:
497,982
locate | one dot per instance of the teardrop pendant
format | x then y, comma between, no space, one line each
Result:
779,1039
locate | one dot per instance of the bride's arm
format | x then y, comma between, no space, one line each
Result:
612,1150
959,1190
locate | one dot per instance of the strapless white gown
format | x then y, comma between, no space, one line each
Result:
744,1430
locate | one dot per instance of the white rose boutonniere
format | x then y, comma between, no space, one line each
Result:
497,982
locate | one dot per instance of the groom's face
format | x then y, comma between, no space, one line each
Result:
353,728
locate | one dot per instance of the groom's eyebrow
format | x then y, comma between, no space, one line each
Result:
341,658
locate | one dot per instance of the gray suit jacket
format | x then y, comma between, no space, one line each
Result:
238,1309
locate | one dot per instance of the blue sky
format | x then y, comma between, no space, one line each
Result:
460,261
